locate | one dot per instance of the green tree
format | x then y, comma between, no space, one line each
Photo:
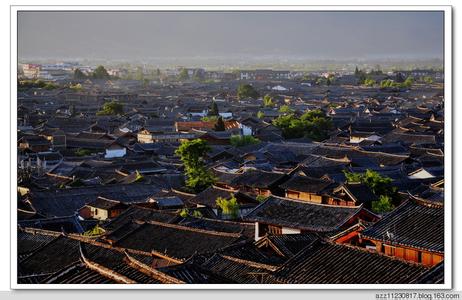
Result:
197,214
369,82
78,74
428,79
111,108
214,110
384,204
183,75
261,198
260,114
94,232
246,91
408,82
313,124
268,101
100,73
285,109
229,207
209,118
83,152
184,212
219,125
244,140
192,154
50,86
380,186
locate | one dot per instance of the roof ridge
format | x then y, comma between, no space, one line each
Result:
181,227
249,262
313,203
143,268
104,271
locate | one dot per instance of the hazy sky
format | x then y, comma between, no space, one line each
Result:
138,35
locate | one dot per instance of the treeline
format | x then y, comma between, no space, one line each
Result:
99,73
29,84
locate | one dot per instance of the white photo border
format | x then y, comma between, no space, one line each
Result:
448,139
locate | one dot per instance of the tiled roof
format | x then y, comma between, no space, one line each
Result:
177,242
306,184
416,223
328,263
302,214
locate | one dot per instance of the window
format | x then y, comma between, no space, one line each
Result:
274,230
389,250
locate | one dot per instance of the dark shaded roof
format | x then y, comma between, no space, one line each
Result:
408,138
104,203
361,193
289,244
193,273
69,224
434,276
54,256
65,202
178,242
416,223
208,197
236,270
29,241
302,214
246,229
306,184
77,273
115,261
257,178
329,263
96,144
135,212
168,201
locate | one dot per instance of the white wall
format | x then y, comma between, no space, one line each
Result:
111,153
290,231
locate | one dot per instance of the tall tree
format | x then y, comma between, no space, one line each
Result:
78,74
100,73
214,110
268,101
183,75
246,91
192,154
220,125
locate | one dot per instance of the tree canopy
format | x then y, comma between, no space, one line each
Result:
183,75
192,154
268,101
246,91
214,109
100,73
380,186
286,109
229,208
313,124
244,140
78,74
219,125
111,108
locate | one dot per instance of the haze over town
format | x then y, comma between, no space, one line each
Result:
233,38
231,147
